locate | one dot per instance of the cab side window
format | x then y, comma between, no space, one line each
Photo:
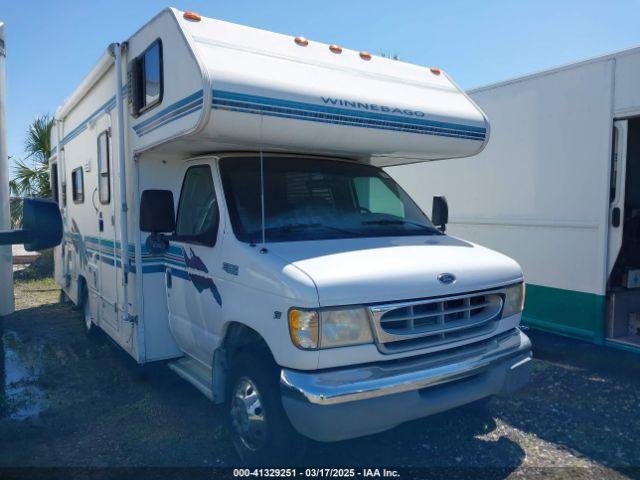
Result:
198,213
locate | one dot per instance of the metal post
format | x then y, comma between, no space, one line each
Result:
6,262
116,49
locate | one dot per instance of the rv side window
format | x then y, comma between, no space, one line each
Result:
198,214
77,185
54,183
104,165
149,81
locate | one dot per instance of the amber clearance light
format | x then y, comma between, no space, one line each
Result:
192,16
303,42
335,48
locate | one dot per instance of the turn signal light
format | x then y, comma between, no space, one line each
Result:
192,17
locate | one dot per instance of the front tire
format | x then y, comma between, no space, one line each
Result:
260,429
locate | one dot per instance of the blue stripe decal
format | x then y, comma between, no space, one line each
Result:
106,107
327,114
108,252
171,113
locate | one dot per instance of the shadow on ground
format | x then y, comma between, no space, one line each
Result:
70,400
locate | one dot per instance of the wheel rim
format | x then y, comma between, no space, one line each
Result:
248,417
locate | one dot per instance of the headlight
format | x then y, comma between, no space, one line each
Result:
311,329
344,327
513,300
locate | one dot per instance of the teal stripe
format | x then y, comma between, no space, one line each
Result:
332,114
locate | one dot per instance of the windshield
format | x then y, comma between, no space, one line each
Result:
313,199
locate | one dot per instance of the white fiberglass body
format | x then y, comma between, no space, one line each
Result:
271,223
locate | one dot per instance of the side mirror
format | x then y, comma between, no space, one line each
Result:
41,226
157,213
157,216
440,213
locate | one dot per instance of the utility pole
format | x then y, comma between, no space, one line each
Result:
6,262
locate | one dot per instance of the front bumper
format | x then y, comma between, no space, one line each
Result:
344,403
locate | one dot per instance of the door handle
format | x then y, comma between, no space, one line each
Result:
615,217
168,278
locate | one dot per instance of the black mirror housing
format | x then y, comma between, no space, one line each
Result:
41,226
440,213
43,220
157,212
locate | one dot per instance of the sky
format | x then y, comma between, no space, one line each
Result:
52,45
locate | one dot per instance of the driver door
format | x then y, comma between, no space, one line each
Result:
192,294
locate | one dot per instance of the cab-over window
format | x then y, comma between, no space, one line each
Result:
148,78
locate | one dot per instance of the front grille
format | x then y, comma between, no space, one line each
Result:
426,323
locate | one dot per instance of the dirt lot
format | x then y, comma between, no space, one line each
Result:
73,401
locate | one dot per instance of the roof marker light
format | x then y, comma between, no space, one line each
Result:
435,71
365,56
192,16
335,48
303,42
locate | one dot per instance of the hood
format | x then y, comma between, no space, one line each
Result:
368,270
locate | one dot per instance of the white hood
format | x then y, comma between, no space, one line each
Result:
354,271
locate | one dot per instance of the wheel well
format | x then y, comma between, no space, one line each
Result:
238,337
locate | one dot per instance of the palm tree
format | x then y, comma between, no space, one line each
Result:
31,174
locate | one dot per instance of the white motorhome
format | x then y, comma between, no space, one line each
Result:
225,206
558,189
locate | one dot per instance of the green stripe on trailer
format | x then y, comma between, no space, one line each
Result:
567,312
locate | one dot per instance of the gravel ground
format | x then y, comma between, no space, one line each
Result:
69,400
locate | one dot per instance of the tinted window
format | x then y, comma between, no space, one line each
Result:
104,165
77,185
149,77
198,214
311,199
152,74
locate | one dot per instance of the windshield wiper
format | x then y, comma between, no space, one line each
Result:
399,222
302,226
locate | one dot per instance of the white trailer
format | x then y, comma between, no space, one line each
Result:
558,189
297,281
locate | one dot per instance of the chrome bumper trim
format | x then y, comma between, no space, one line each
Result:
371,381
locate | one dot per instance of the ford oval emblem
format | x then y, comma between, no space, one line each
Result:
446,278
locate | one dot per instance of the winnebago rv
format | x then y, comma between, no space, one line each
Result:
558,189
224,206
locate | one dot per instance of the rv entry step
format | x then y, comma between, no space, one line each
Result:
195,373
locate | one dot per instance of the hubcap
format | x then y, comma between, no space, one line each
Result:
247,414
